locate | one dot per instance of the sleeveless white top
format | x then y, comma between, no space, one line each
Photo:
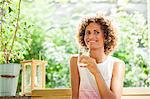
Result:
88,87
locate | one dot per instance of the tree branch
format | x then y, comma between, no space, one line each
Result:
15,32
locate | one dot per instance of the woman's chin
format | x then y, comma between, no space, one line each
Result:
94,47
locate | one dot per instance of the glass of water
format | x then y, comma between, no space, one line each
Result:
85,52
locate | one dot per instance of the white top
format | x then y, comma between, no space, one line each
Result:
87,80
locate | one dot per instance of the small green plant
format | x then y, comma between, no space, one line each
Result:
14,35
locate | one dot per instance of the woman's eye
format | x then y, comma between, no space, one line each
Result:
96,32
87,33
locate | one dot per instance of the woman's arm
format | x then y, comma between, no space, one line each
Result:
116,86
75,78
115,90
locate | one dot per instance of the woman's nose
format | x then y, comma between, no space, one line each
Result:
91,36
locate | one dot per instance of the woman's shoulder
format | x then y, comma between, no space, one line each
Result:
117,60
117,64
74,58
73,61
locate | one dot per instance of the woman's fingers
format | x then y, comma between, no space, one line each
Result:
83,61
84,57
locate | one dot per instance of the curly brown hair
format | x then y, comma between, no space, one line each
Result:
110,34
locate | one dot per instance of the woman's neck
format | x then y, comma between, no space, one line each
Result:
98,54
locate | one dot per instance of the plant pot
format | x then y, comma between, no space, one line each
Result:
9,74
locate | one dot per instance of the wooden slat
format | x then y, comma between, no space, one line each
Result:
35,61
136,91
51,92
134,97
52,97
43,75
33,74
15,97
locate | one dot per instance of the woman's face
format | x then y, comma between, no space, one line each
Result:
94,37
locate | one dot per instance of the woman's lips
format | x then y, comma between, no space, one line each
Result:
92,41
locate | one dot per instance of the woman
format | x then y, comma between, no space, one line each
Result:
102,78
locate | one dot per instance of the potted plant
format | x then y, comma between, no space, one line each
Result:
13,42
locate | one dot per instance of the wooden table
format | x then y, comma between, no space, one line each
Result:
128,93
48,93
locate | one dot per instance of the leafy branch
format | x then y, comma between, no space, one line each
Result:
2,19
7,52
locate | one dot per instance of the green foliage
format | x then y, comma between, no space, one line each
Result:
35,50
12,44
133,48
59,48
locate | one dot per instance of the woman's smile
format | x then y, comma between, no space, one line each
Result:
91,42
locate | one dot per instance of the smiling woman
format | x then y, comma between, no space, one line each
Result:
103,26
103,75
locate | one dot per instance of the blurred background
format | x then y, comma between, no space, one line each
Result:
48,27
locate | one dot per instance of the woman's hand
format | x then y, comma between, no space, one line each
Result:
91,63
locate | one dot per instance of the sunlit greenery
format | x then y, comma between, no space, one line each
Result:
133,48
13,46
